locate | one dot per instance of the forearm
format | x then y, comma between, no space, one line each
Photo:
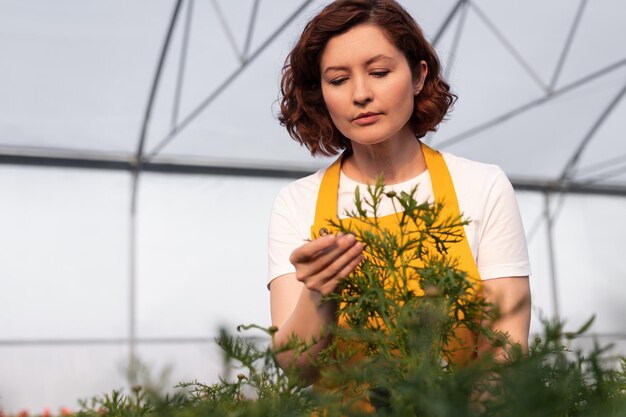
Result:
510,298
308,321
515,326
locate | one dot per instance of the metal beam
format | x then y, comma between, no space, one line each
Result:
588,170
251,23
229,33
243,169
19,343
570,167
606,175
447,21
455,42
473,131
69,161
121,162
135,169
568,187
227,82
509,46
155,83
115,341
551,255
182,61
568,44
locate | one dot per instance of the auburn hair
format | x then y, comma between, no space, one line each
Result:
302,108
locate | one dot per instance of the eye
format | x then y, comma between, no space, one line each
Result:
379,73
338,80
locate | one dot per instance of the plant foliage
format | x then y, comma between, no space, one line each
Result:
401,312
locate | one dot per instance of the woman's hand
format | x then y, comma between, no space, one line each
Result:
322,263
297,307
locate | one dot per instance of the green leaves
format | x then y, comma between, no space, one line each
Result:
401,320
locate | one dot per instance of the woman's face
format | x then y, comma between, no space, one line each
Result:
368,86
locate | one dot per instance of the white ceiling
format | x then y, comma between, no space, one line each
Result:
76,75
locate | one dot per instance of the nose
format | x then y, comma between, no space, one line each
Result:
362,93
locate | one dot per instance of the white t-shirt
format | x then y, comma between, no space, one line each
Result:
485,195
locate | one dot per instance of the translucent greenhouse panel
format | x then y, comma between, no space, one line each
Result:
217,38
36,378
174,363
239,127
429,15
588,269
77,75
538,143
484,90
604,158
63,253
531,208
208,60
550,29
202,253
600,31
250,135
615,344
590,263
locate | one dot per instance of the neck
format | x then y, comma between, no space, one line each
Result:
397,161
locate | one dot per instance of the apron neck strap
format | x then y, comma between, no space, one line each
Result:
443,188
326,207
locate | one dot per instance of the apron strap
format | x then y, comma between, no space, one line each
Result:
443,191
326,207
443,187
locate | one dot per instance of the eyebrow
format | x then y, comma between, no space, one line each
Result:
379,57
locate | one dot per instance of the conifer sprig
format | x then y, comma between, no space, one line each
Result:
401,311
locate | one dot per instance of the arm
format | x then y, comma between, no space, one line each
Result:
503,263
296,299
511,298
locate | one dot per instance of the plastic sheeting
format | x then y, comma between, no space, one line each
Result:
75,76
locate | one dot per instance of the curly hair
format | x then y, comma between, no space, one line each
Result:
302,108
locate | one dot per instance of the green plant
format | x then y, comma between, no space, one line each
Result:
395,346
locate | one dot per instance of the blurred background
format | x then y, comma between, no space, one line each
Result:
140,155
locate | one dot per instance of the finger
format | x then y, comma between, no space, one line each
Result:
331,285
323,260
310,249
335,270
344,264
348,269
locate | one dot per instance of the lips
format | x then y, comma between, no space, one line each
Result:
366,118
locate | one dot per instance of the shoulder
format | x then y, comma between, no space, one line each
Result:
294,205
290,221
487,199
477,182
300,192
468,170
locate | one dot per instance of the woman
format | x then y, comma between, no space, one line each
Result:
362,79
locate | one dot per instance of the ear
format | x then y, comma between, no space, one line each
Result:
421,71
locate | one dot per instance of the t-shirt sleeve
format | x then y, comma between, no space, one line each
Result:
283,237
502,249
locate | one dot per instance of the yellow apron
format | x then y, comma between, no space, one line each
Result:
443,190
